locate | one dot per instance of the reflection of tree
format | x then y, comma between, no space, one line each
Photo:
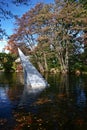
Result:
11,78
85,84
15,83
15,92
64,85
81,97
52,112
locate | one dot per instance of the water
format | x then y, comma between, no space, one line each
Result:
62,106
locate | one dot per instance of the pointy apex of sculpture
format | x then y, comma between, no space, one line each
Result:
31,75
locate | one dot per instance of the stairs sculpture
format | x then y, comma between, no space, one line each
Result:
32,77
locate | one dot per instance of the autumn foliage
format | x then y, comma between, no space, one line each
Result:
51,29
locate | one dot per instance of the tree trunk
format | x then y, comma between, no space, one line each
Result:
85,46
40,67
63,59
67,58
45,63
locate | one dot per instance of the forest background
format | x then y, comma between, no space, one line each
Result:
53,35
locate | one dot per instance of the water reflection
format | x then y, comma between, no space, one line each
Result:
5,103
62,106
64,84
29,95
81,97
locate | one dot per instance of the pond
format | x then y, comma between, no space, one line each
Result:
61,106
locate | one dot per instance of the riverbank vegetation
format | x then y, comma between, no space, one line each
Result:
7,62
53,35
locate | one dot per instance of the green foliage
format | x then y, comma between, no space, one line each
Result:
52,62
84,68
6,61
83,2
77,62
77,66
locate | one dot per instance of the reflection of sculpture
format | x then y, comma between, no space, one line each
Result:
31,76
29,96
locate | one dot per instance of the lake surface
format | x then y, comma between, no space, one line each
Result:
62,106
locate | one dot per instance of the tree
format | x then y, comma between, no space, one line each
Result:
56,25
84,4
27,32
67,21
6,61
6,13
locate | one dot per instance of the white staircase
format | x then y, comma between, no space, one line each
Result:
31,76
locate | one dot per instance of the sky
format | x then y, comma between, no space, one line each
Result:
8,24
